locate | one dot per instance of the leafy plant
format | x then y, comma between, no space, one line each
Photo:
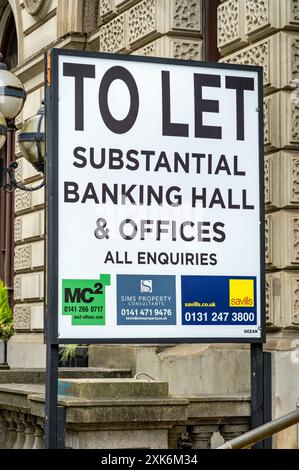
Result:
68,352
6,316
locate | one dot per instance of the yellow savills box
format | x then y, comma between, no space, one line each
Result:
241,292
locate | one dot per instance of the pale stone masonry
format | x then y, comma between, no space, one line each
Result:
165,28
259,32
266,33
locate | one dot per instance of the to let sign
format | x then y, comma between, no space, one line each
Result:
155,200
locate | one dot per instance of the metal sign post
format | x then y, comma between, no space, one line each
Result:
155,205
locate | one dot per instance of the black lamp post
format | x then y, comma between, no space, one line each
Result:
32,143
31,137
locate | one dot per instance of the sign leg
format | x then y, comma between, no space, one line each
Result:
257,388
51,411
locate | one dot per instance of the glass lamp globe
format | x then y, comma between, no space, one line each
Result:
32,139
12,93
3,130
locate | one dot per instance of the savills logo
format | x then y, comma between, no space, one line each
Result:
241,292
146,286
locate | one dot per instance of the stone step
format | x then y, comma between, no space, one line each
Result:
37,376
112,388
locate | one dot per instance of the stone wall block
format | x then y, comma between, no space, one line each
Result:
18,152
173,47
272,195
290,298
282,240
288,175
146,21
282,180
185,16
29,287
272,132
274,318
289,117
28,317
230,26
289,239
113,35
69,17
21,317
122,5
264,53
262,17
107,10
289,14
290,62
26,201
41,38
29,227
29,257
25,172
272,252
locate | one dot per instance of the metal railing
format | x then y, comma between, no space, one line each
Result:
250,438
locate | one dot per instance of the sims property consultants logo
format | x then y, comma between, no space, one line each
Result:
146,286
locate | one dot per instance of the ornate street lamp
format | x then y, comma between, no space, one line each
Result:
31,137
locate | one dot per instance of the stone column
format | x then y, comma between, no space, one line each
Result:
39,442
230,431
29,433
20,430
3,431
174,436
12,434
201,436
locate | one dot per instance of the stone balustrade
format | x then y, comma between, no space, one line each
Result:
121,413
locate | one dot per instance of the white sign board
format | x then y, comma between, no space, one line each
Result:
156,186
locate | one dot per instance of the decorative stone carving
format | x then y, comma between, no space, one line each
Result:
173,47
29,287
228,23
295,122
295,11
274,294
37,7
186,50
22,200
256,15
113,35
272,124
18,229
295,309
106,10
22,315
186,15
295,255
150,50
267,122
295,180
267,172
22,258
268,236
17,288
295,58
268,302
91,15
142,21
255,55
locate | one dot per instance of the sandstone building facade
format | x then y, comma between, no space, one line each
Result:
258,32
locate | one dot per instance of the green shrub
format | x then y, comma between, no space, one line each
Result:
6,316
